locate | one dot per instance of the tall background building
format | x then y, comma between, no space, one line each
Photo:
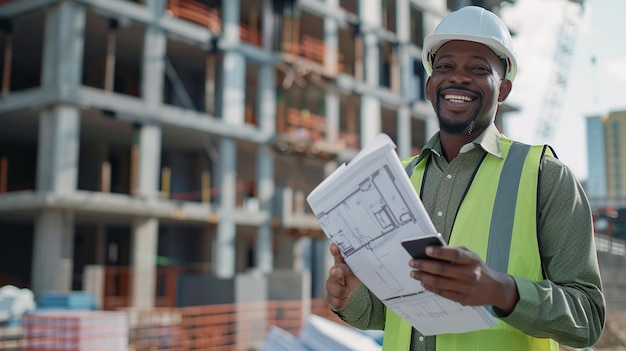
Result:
595,184
606,183
616,157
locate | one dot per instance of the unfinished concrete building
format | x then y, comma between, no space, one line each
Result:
142,142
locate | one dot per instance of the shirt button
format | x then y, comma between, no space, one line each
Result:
439,214
421,338
449,176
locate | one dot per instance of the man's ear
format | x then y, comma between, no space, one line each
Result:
505,89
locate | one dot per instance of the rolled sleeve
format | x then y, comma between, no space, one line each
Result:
364,311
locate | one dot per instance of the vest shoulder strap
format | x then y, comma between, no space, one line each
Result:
411,166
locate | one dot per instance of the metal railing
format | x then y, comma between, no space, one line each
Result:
608,244
240,326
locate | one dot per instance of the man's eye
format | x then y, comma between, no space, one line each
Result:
480,69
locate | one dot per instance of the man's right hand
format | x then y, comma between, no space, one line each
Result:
341,282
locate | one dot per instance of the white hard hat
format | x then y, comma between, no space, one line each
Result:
472,23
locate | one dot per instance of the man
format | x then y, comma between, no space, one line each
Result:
517,222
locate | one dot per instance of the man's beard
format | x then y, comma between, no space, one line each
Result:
452,126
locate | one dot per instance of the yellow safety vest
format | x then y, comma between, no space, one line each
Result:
502,199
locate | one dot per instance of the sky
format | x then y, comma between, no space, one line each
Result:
597,71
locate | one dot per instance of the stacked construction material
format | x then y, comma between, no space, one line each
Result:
278,339
73,300
320,334
72,330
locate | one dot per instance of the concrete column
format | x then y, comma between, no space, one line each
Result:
233,65
233,87
233,84
404,132
225,249
52,252
143,261
371,59
63,48
267,98
403,21
148,138
265,167
266,194
59,127
145,231
59,139
370,119
268,24
332,111
156,6
231,11
154,52
370,13
331,39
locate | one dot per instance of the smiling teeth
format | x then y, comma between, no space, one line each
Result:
458,98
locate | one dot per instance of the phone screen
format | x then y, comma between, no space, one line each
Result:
417,247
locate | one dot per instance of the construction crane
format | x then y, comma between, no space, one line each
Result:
554,98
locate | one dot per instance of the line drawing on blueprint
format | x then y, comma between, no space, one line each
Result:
383,214
421,305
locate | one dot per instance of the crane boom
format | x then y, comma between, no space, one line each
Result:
553,100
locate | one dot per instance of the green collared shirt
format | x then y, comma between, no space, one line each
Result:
573,288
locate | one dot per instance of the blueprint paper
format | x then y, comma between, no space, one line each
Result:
367,209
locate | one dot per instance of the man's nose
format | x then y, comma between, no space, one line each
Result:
460,77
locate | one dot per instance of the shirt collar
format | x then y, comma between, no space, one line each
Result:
488,140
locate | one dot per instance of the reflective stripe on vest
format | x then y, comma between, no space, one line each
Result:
502,199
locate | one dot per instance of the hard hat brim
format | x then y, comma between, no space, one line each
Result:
433,42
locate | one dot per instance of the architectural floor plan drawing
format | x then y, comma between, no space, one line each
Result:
367,208
380,213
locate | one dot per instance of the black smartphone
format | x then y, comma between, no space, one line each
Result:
417,247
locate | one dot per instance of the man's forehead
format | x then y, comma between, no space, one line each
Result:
465,45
